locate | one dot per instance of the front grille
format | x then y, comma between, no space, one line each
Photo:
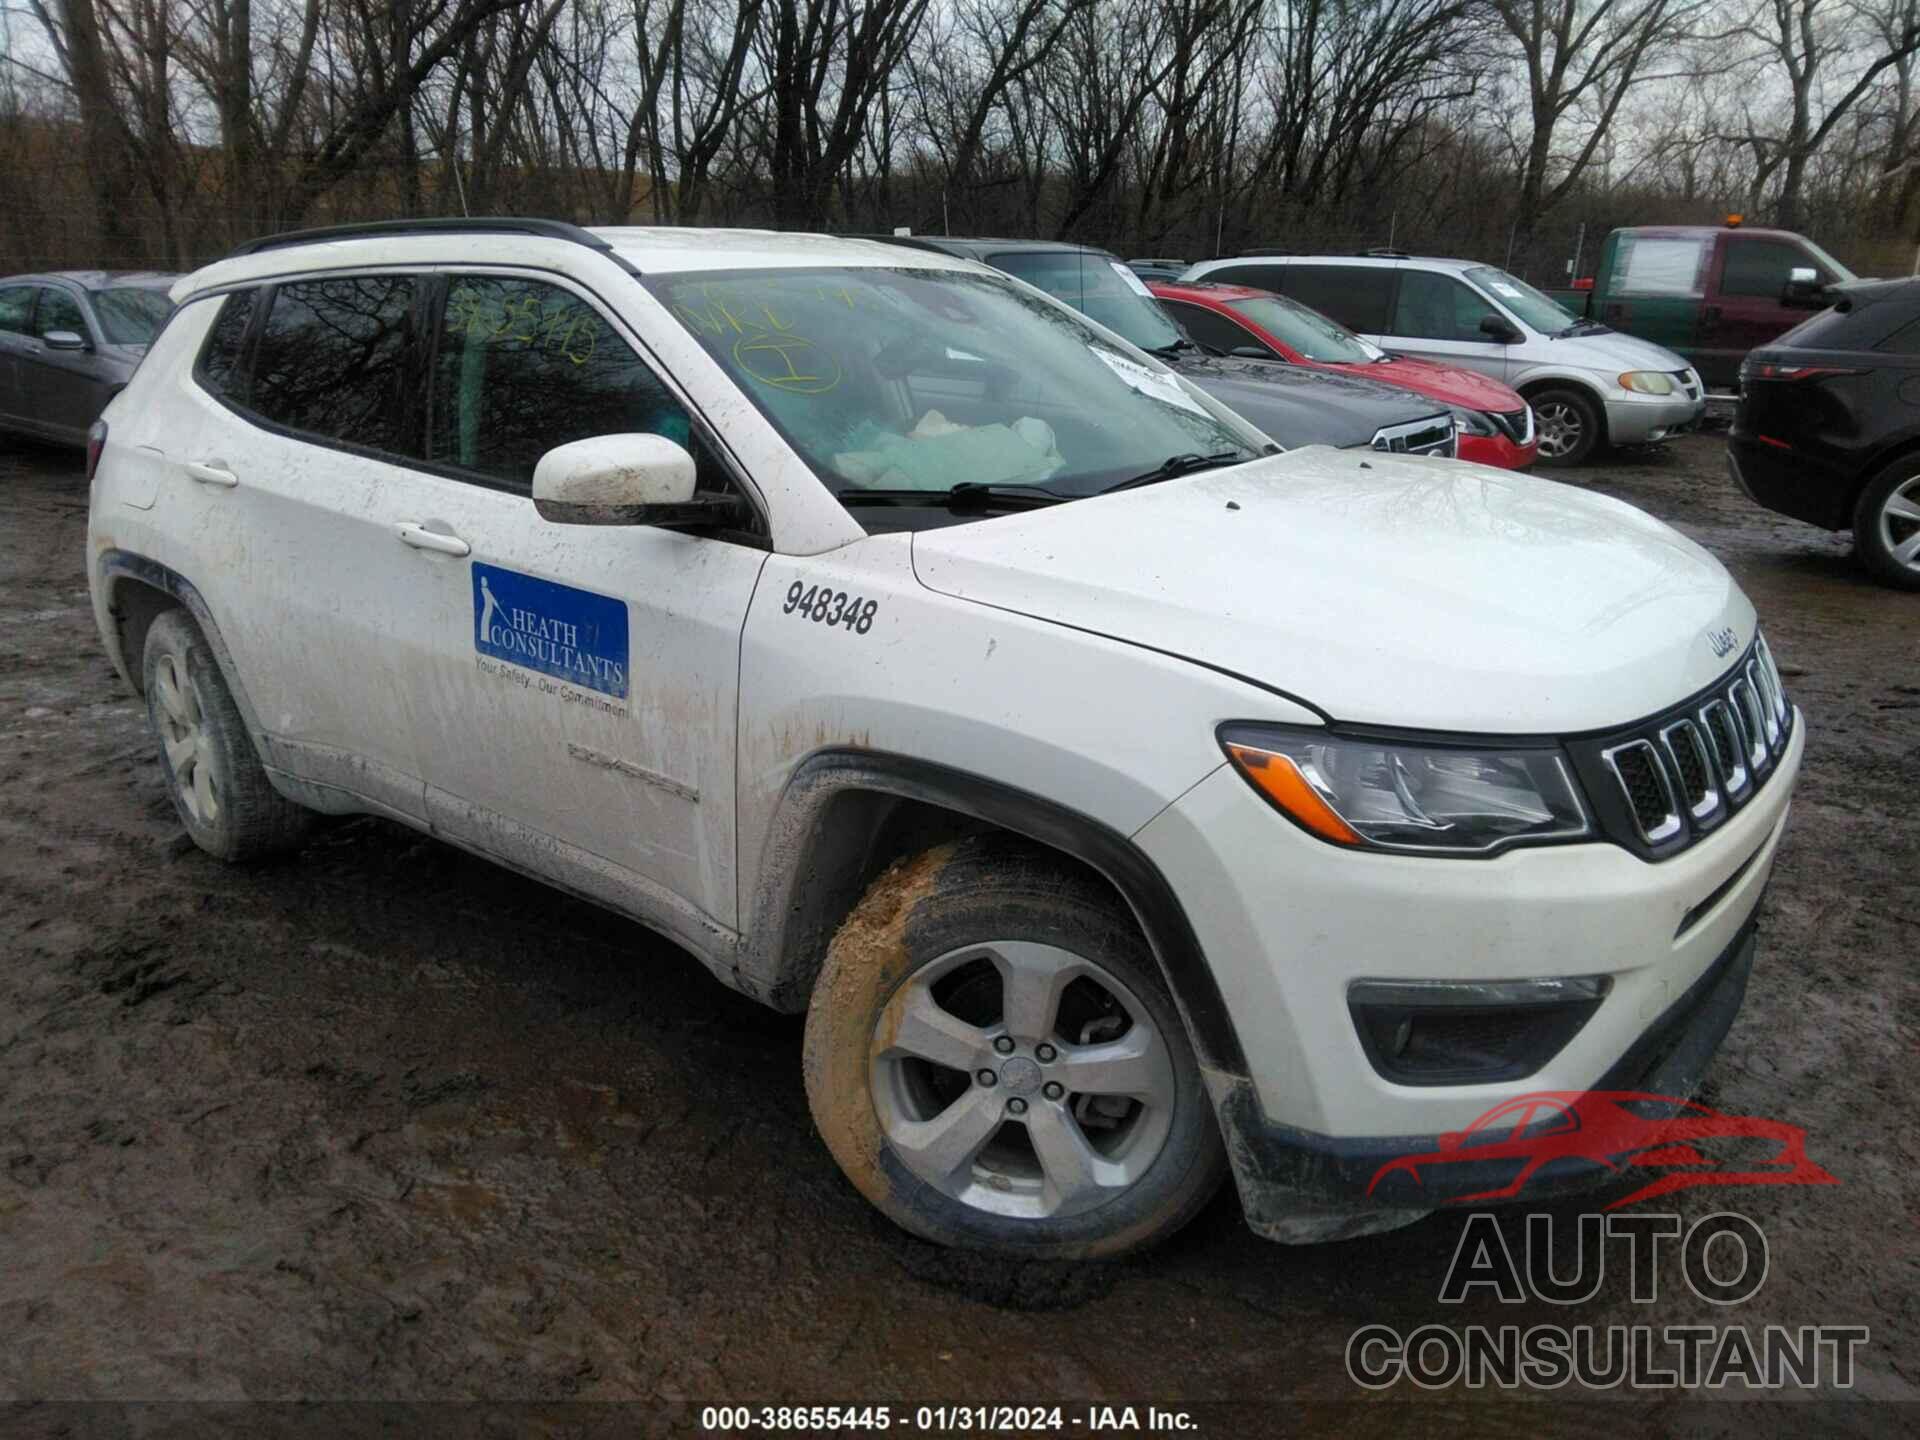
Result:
1664,783
1433,436
1688,382
1636,767
1516,425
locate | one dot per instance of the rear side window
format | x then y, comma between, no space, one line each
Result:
1261,277
16,308
332,361
1672,267
219,369
1433,306
1760,267
59,311
1358,296
524,366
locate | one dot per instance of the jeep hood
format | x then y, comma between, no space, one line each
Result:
1382,590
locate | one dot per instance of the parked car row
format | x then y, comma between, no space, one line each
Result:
1384,351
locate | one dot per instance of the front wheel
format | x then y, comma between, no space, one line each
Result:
1886,525
994,1061
1569,425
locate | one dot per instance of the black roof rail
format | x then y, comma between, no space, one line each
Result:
1386,252
1268,250
439,225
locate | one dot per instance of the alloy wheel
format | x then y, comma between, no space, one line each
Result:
1021,1079
1560,427
1899,523
183,731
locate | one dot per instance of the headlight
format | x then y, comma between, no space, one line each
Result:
1394,795
1647,382
1472,422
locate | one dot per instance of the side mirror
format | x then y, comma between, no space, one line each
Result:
65,340
1255,352
1802,287
1498,330
618,480
1450,1140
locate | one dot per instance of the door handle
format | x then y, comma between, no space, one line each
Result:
212,475
421,538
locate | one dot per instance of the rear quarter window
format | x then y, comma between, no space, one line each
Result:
220,370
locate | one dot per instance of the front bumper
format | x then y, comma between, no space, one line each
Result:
1790,482
1290,922
1643,419
1498,451
1299,1188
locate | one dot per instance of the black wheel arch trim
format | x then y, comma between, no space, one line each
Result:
786,940
126,565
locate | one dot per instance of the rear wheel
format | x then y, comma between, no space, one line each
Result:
993,1059
213,773
1569,425
1886,525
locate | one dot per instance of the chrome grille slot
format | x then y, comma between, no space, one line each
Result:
1762,684
1729,746
1636,765
1687,749
1747,704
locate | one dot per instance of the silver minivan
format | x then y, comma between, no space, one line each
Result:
1589,386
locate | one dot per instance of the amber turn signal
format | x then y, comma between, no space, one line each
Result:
1280,780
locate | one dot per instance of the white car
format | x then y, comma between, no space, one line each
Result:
1125,804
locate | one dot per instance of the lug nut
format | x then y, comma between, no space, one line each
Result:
1054,1090
987,1077
1017,1105
1046,1053
1004,1044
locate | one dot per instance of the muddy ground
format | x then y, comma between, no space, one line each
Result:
384,1122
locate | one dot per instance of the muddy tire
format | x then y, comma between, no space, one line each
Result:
994,1060
1570,425
213,774
1886,525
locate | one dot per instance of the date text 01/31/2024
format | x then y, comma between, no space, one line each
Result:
944,1419
826,606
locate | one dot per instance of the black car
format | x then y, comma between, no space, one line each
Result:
1291,406
1828,429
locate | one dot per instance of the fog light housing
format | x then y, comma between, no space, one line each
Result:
1469,1032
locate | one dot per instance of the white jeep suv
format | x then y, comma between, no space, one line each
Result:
1125,803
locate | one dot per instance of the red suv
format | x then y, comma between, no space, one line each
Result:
1496,427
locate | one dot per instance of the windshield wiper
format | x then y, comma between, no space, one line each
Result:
967,495
1579,327
1174,466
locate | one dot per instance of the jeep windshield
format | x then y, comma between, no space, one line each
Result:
936,383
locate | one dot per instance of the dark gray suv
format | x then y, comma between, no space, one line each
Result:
69,342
